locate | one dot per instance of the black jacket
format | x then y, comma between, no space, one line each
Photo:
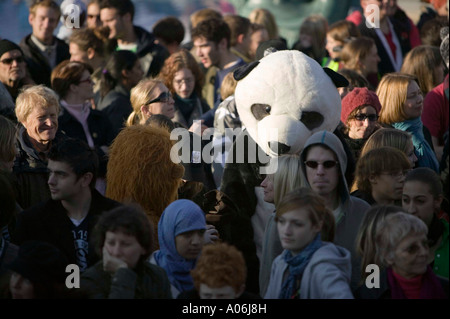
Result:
100,128
117,107
48,222
37,64
148,50
385,64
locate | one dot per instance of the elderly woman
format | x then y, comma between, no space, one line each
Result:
359,115
37,110
403,249
402,104
72,81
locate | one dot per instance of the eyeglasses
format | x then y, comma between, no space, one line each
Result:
397,175
94,16
325,164
9,61
363,117
185,81
88,80
164,97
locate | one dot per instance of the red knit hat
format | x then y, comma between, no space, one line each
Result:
356,98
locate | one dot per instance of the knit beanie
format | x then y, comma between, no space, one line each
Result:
6,46
444,45
40,262
356,98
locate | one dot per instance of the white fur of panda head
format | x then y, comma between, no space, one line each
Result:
287,92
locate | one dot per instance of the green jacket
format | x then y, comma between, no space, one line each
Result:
441,262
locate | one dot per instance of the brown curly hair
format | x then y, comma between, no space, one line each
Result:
220,265
177,61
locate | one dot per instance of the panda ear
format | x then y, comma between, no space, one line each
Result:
338,80
242,71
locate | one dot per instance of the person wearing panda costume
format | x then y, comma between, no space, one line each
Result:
282,100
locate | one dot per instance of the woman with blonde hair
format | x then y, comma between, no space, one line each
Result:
148,97
402,104
267,19
426,64
287,178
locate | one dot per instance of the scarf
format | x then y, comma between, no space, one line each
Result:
179,217
297,265
81,113
431,287
424,153
186,106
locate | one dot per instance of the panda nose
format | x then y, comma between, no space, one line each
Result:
279,148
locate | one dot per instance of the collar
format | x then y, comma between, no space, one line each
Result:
41,46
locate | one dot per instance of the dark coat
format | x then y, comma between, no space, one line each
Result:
148,50
147,281
101,130
117,107
37,64
49,222
31,172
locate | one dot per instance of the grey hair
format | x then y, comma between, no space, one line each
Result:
393,230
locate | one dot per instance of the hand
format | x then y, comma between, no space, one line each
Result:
211,234
112,264
198,126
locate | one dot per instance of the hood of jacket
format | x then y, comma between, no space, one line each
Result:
331,141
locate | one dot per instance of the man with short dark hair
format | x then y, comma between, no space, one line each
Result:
211,40
240,39
118,16
68,218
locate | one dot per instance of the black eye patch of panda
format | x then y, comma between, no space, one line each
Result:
312,119
260,111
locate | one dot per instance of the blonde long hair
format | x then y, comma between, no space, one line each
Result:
139,95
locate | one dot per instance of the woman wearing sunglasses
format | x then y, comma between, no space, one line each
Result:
150,97
359,116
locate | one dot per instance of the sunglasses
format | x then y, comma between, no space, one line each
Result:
325,164
9,61
363,117
164,97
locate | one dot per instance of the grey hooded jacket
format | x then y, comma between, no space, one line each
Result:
327,275
353,209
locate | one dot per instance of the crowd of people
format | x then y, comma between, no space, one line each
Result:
88,176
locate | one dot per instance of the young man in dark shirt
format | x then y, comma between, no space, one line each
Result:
68,218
